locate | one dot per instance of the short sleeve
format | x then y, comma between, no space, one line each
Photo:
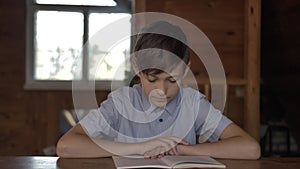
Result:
224,122
212,122
101,122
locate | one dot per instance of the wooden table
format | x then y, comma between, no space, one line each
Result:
32,162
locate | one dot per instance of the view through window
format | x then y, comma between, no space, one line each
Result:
60,29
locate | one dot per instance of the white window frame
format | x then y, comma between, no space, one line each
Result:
123,6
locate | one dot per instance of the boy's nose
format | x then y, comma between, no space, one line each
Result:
162,88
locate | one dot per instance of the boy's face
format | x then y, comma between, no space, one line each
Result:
163,87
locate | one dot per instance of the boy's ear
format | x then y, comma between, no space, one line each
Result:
135,67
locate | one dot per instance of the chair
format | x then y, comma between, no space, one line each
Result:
276,141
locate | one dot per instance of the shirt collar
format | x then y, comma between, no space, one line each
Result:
170,107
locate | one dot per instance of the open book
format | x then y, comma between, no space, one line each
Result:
167,162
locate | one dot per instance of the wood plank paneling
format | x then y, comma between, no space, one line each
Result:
252,68
222,22
29,119
233,27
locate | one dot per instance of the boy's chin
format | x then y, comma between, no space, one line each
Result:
159,103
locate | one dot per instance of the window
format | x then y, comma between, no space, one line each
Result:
57,32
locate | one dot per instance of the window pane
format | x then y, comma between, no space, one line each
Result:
58,40
114,59
79,2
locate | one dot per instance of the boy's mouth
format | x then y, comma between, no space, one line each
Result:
159,101
158,98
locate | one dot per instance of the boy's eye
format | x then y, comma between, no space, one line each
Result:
172,80
151,80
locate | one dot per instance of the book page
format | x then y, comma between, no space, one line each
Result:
127,162
192,161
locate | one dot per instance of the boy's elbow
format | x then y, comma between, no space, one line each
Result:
62,149
255,151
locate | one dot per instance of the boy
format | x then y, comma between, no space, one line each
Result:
158,117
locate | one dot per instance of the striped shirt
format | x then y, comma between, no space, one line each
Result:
128,116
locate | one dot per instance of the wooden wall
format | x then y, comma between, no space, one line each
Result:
29,120
223,22
233,27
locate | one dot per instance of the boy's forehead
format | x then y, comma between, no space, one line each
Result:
175,71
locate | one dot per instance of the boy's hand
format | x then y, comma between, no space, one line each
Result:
174,150
159,147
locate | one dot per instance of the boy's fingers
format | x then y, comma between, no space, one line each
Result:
184,142
173,151
157,152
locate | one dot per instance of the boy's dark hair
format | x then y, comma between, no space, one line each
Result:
155,42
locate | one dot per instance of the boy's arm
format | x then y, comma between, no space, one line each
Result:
234,144
76,143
